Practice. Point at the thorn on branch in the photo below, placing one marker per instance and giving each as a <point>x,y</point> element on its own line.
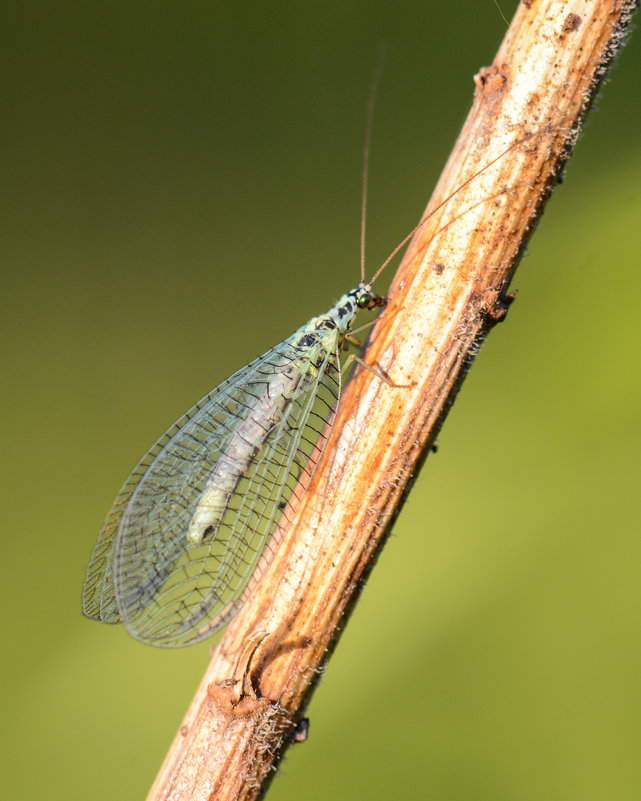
<point>494,304</point>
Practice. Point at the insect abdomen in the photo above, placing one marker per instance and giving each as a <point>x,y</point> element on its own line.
<point>237,458</point>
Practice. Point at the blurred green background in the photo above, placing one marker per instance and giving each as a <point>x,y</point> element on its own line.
<point>181,190</point>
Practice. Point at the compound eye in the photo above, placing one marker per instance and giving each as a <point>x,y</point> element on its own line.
<point>364,301</point>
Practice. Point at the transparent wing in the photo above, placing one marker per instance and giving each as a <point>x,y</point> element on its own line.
<point>144,570</point>
<point>98,597</point>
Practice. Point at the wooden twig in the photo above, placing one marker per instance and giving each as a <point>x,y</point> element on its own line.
<point>450,290</point>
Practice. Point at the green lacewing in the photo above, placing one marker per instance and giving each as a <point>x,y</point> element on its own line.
<point>193,520</point>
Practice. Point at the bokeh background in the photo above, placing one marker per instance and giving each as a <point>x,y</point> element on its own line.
<point>181,190</point>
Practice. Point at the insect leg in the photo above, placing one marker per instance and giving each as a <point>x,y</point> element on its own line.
<point>376,371</point>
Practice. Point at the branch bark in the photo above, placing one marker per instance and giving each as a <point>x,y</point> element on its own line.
<point>450,289</point>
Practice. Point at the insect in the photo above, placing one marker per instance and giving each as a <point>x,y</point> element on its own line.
<point>192,520</point>
<point>191,523</point>
<point>189,526</point>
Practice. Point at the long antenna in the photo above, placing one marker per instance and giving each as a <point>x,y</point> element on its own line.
<point>378,69</point>
<point>427,217</point>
